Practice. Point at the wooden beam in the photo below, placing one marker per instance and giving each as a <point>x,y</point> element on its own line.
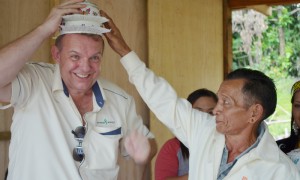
<point>5,136</point>
<point>227,39</point>
<point>239,4</point>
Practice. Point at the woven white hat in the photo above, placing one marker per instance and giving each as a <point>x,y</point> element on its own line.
<point>89,21</point>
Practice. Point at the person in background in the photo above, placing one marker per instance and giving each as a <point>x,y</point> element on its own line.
<point>68,121</point>
<point>172,161</point>
<point>233,144</point>
<point>291,145</point>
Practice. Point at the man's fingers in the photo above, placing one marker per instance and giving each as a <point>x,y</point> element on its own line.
<point>70,7</point>
<point>110,23</point>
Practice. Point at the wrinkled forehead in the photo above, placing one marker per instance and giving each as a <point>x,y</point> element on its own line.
<point>232,90</point>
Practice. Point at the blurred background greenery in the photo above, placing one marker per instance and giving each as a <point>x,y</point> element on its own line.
<point>279,122</point>
<point>270,44</point>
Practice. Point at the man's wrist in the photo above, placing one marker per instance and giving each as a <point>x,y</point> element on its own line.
<point>124,52</point>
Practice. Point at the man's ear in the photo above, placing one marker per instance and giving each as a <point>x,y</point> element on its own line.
<point>256,111</point>
<point>55,52</point>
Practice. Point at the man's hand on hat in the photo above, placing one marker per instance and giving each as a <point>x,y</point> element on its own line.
<point>54,19</point>
<point>114,37</point>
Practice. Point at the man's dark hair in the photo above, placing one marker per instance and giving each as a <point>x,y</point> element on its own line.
<point>258,88</point>
<point>192,98</point>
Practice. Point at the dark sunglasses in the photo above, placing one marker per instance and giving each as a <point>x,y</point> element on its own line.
<point>79,134</point>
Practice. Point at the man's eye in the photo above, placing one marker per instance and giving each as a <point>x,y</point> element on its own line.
<point>95,58</point>
<point>226,102</point>
<point>75,57</point>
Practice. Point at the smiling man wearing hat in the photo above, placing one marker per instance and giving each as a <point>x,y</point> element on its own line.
<point>67,121</point>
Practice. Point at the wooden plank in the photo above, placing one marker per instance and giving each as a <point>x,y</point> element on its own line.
<point>238,4</point>
<point>227,43</point>
<point>5,136</point>
<point>185,47</point>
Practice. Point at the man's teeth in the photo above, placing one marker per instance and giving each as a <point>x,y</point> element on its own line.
<point>82,75</point>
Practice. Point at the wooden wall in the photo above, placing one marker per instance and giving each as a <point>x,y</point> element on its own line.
<point>185,47</point>
<point>180,40</point>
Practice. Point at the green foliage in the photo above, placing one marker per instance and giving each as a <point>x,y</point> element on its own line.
<point>283,109</point>
<point>279,130</point>
<point>280,59</point>
<point>284,19</point>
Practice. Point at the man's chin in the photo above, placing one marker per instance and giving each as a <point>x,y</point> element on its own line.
<point>219,128</point>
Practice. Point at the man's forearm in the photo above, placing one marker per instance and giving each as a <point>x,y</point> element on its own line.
<point>17,53</point>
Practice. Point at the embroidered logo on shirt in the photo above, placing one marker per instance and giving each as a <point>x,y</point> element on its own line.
<point>105,122</point>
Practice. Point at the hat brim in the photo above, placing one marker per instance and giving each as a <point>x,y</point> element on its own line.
<point>83,29</point>
<point>79,17</point>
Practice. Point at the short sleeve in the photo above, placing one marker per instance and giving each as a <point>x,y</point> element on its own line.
<point>166,164</point>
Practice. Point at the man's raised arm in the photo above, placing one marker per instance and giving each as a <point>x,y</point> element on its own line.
<point>14,55</point>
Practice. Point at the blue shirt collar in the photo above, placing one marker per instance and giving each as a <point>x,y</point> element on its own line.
<point>226,167</point>
<point>96,90</point>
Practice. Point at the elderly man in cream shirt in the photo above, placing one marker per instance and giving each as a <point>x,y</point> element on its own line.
<point>235,143</point>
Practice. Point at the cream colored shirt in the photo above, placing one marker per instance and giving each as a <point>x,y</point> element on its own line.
<point>44,116</point>
<point>197,130</point>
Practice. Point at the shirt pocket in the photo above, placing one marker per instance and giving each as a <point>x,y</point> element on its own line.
<point>101,147</point>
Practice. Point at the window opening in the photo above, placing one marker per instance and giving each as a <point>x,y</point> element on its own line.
<point>270,44</point>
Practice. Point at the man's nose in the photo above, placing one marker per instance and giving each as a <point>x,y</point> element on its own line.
<point>85,64</point>
<point>217,109</point>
